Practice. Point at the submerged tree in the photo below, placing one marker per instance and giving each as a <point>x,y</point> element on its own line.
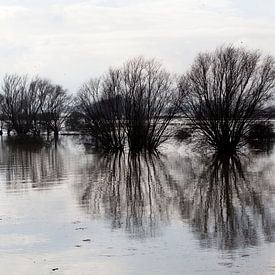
<point>148,92</point>
<point>131,104</point>
<point>21,104</point>
<point>100,104</point>
<point>224,93</point>
<point>56,109</point>
<point>28,105</point>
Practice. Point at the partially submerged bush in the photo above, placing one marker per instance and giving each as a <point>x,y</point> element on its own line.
<point>132,104</point>
<point>224,93</point>
<point>148,93</point>
<point>100,105</point>
<point>29,106</point>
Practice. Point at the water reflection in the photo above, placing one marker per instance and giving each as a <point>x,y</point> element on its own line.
<point>230,204</point>
<point>34,165</point>
<point>224,201</point>
<point>133,191</point>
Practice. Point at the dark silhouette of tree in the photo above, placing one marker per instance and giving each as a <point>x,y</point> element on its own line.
<point>27,105</point>
<point>224,93</point>
<point>22,101</point>
<point>133,103</point>
<point>148,92</point>
<point>100,104</point>
<point>2,116</point>
<point>56,109</point>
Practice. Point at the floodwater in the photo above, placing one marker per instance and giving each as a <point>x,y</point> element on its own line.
<point>67,210</point>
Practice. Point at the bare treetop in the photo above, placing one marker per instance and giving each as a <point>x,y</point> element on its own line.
<point>224,92</point>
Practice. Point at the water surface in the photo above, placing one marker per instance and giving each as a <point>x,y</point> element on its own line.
<point>65,209</point>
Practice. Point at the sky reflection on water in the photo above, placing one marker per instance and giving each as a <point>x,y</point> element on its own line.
<point>178,212</point>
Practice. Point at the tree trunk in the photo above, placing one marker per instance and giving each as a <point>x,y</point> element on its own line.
<point>56,134</point>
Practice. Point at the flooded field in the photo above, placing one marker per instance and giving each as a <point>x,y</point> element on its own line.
<point>67,210</point>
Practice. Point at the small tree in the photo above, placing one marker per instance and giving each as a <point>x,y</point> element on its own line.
<point>22,102</point>
<point>26,105</point>
<point>56,109</point>
<point>224,92</point>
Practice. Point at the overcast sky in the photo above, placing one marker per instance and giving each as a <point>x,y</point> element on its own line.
<point>70,41</point>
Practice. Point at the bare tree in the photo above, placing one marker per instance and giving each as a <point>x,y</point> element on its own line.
<point>56,108</point>
<point>2,116</point>
<point>148,92</point>
<point>35,96</point>
<point>21,104</point>
<point>13,90</point>
<point>100,104</point>
<point>133,103</point>
<point>224,92</point>
<point>29,104</point>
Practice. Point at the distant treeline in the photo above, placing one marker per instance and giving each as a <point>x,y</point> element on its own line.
<point>132,106</point>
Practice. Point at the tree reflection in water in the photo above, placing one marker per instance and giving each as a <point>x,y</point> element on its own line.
<point>225,202</point>
<point>31,165</point>
<point>221,198</point>
<point>134,191</point>
<point>228,206</point>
